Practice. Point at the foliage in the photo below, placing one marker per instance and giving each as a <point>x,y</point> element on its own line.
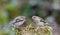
<point>30,30</point>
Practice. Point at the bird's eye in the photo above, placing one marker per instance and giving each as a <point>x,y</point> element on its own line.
<point>18,20</point>
<point>34,17</point>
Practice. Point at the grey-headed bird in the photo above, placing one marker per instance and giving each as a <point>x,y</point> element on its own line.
<point>16,22</point>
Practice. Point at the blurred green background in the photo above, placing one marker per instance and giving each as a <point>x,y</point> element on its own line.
<point>10,9</point>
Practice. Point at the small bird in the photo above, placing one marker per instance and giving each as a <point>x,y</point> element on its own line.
<point>17,22</point>
<point>39,21</point>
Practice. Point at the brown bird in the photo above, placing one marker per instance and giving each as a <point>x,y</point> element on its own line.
<point>39,21</point>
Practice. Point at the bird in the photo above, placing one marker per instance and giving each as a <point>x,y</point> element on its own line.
<point>16,22</point>
<point>39,21</point>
